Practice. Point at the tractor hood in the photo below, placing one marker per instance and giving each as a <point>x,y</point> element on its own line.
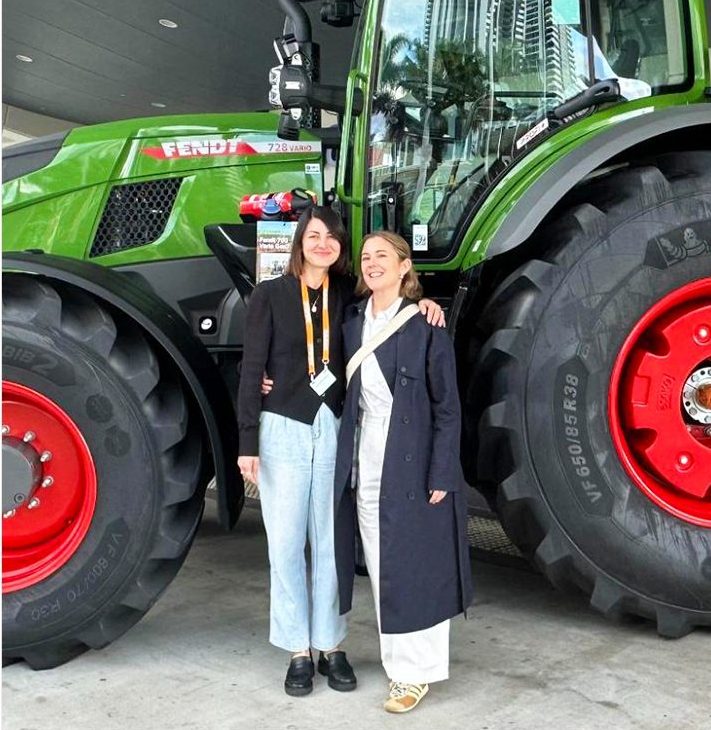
<point>145,148</point>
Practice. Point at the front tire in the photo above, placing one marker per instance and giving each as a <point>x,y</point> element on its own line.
<point>586,432</point>
<point>109,517</point>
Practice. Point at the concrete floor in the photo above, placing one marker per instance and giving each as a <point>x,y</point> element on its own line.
<point>528,658</point>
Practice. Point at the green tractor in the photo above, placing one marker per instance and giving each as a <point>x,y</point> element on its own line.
<point>550,163</point>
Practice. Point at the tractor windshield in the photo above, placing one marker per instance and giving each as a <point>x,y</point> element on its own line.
<point>463,87</point>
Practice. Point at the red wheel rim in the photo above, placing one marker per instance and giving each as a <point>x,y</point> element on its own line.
<point>660,403</point>
<point>43,533</point>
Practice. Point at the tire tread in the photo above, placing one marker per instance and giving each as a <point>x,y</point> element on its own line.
<point>81,319</point>
<point>509,316</point>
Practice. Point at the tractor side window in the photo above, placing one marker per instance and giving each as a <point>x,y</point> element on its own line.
<point>645,40</point>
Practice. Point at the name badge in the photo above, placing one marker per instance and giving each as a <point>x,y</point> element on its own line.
<point>323,381</point>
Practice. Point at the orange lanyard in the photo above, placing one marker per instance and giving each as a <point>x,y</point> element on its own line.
<point>310,327</point>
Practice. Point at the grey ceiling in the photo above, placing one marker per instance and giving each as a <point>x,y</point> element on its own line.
<point>99,60</point>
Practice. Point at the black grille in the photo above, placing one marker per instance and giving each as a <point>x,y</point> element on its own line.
<point>135,215</point>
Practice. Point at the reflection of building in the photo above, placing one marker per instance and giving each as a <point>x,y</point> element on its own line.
<point>520,34</point>
<point>526,27</point>
<point>451,19</point>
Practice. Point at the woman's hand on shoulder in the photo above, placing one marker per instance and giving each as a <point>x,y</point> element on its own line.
<point>433,312</point>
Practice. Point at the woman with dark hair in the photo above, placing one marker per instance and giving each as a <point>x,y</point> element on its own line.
<point>401,427</point>
<point>288,441</point>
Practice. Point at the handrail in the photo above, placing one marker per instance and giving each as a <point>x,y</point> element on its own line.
<point>353,76</point>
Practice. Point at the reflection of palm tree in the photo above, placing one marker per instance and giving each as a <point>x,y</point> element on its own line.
<point>451,75</point>
<point>385,101</point>
<point>391,64</point>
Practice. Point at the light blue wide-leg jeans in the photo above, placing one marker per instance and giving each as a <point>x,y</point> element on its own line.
<point>296,465</point>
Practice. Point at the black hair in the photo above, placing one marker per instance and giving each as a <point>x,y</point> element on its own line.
<point>334,223</point>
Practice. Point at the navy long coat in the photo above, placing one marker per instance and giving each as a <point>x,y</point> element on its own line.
<point>425,574</point>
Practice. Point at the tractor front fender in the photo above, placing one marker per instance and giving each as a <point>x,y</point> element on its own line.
<point>171,333</point>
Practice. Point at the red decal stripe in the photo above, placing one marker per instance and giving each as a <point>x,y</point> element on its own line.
<point>156,152</point>
<point>245,149</point>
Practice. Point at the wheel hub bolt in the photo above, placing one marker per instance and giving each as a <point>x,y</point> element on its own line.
<point>702,334</point>
<point>18,498</point>
<point>48,482</point>
<point>5,430</point>
<point>34,503</point>
<point>9,513</point>
<point>684,460</point>
<point>45,456</point>
<point>29,436</point>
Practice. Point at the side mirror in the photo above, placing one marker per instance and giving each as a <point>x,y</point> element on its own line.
<point>291,88</point>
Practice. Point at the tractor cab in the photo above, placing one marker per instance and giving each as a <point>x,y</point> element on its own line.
<point>449,93</point>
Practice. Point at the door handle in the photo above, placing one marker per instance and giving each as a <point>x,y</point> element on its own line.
<point>352,91</point>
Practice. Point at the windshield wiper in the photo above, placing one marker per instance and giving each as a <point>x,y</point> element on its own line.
<point>601,92</point>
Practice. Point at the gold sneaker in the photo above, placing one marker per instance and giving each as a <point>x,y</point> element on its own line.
<point>405,697</point>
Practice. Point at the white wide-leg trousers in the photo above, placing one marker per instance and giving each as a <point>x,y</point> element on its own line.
<point>418,657</point>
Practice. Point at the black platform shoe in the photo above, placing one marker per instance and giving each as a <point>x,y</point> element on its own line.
<point>340,674</point>
<point>299,676</point>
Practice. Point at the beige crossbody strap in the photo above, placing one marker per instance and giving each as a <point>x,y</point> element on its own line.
<point>374,342</point>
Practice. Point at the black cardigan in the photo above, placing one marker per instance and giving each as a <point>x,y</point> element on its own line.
<point>275,342</point>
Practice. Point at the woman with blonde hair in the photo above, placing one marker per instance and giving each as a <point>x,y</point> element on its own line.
<point>398,472</point>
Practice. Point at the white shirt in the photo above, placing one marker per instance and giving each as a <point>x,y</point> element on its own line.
<point>375,396</point>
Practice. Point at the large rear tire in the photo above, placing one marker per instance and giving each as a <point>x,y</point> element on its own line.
<point>583,387</point>
<point>108,485</point>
